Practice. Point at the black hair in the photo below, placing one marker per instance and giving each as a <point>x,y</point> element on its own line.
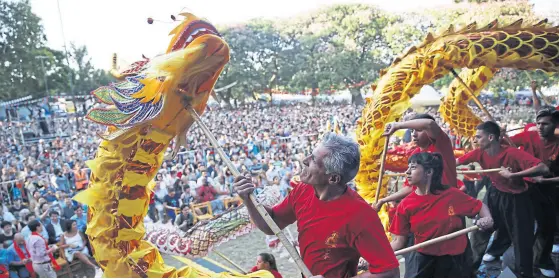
<point>5,223</point>
<point>423,116</point>
<point>548,111</point>
<point>270,259</point>
<point>68,225</point>
<point>433,161</point>
<point>78,207</point>
<point>183,206</point>
<point>54,212</point>
<point>491,128</point>
<point>34,225</point>
<point>29,215</point>
<point>57,172</point>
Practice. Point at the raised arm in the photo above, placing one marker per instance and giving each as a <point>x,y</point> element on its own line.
<point>535,99</point>
<point>428,125</point>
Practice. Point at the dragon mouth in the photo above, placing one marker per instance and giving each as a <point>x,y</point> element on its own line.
<point>195,29</point>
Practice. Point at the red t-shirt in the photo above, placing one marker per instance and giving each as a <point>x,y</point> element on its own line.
<point>442,145</point>
<point>206,193</point>
<point>274,272</point>
<point>431,216</point>
<point>531,142</point>
<point>508,157</point>
<point>334,234</point>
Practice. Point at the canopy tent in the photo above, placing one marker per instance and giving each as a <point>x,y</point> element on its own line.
<point>427,96</point>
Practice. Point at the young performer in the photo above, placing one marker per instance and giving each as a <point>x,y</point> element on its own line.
<point>336,226</point>
<point>429,137</point>
<point>432,210</point>
<point>508,199</point>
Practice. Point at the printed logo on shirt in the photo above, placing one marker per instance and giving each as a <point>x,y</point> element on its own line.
<point>450,210</point>
<point>332,240</point>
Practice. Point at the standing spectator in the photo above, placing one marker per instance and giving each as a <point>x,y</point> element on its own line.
<point>61,181</point>
<point>81,177</point>
<point>67,209</point>
<point>44,263</point>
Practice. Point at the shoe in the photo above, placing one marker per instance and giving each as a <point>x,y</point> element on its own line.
<point>488,258</point>
<point>548,272</point>
<point>555,249</point>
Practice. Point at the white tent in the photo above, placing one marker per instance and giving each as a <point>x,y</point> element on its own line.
<point>427,96</point>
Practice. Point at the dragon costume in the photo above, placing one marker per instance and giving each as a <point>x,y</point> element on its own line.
<point>481,50</point>
<point>144,112</point>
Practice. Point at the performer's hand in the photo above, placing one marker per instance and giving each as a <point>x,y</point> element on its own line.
<point>534,85</point>
<point>505,173</point>
<point>243,186</point>
<point>377,206</point>
<point>390,129</point>
<point>485,223</point>
<point>538,179</point>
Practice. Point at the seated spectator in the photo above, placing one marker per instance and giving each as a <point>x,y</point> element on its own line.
<point>19,258</point>
<point>26,232</point>
<point>16,207</point>
<point>80,218</point>
<point>7,235</point>
<point>186,197</point>
<point>6,215</point>
<point>54,228</point>
<point>67,209</point>
<point>207,193</point>
<point>184,221</point>
<point>266,261</point>
<point>73,243</point>
<point>171,204</point>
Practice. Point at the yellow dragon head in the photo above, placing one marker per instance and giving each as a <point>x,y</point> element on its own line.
<point>156,91</point>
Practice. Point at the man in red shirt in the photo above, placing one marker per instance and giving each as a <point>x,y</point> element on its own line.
<point>544,145</point>
<point>508,198</point>
<point>336,226</point>
<point>429,137</point>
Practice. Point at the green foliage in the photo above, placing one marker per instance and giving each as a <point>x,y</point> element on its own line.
<point>22,42</point>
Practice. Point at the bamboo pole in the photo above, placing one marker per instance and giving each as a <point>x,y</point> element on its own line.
<point>230,262</point>
<point>458,172</point>
<point>436,240</point>
<point>384,151</point>
<point>478,103</point>
<point>267,218</point>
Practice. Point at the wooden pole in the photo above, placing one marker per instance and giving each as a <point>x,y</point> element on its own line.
<point>436,240</point>
<point>479,104</point>
<point>384,151</point>
<point>267,218</point>
<point>230,262</point>
<point>458,172</point>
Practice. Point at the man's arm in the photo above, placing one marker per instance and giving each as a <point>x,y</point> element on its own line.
<point>398,242</point>
<point>539,169</point>
<point>535,99</point>
<point>244,187</point>
<point>426,125</point>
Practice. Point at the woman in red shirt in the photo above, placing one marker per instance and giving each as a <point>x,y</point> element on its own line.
<point>266,261</point>
<point>432,210</point>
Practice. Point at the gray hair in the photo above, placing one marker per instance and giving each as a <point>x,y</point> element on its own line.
<point>343,158</point>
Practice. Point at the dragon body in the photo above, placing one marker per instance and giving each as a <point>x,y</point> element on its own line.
<point>144,111</point>
<point>480,50</point>
<point>205,235</point>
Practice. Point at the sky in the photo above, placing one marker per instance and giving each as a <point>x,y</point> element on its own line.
<point>120,26</point>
